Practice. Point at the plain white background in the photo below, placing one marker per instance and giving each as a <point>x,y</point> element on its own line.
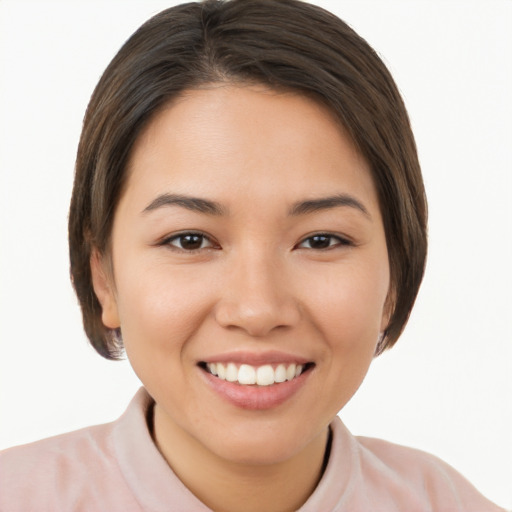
<point>447,385</point>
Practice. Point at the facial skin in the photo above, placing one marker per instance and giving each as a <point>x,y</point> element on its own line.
<point>257,284</point>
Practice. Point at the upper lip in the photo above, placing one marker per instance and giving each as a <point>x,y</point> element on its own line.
<point>256,358</point>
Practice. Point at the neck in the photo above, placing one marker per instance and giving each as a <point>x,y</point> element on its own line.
<point>227,486</point>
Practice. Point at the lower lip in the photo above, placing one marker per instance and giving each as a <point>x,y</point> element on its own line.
<point>254,397</point>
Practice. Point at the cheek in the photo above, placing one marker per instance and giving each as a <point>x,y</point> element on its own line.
<point>349,316</point>
<point>160,309</point>
<point>349,305</point>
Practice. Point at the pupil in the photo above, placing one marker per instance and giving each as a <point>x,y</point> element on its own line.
<point>320,241</point>
<point>191,241</point>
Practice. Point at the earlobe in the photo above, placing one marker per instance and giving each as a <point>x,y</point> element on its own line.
<point>104,290</point>
<point>388,310</point>
<point>386,316</point>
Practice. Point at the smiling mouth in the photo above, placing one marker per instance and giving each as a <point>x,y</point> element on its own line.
<point>248,375</point>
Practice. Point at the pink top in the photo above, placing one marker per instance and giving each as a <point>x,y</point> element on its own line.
<point>116,468</point>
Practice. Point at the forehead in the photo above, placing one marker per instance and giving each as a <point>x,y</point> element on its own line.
<point>246,141</point>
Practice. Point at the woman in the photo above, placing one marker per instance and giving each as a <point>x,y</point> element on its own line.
<point>250,263</point>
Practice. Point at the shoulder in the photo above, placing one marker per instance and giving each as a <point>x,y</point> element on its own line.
<point>371,474</point>
<point>423,474</point>
<point>58,454</point>
<point>75,471</point>
<point>404,460</point>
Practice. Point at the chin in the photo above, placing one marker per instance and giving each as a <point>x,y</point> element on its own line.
<point>247,453</point>
<point>265,445</point>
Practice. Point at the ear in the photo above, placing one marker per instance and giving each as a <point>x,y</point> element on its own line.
<point>103,285</point>
<point>388,310</point>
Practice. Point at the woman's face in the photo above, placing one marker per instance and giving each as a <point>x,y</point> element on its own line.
<point>249,243</point>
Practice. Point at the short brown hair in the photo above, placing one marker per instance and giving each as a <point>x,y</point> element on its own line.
<point>284,44</point>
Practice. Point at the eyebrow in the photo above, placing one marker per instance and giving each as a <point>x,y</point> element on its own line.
<point>327,203</point>
<point>194,204</point>
<point>200,205</point>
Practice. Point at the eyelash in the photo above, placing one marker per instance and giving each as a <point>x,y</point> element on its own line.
<point>339,241</point>
<point>180,237</point>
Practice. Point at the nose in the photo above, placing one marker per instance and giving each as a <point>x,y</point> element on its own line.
<point>257,298</point>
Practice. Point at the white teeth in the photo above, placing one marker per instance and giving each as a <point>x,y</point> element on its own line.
<point>221,371</point>
<point>280,375</point>
<point>265,375</point>
<point>246,374</point>
<point>290,372</point>
<point>231,373</point>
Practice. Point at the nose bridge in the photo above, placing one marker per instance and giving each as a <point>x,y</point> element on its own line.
<point>257,296</point>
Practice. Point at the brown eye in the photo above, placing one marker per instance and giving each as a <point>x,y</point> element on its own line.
<point>322,241</point>
<point>189,241</point>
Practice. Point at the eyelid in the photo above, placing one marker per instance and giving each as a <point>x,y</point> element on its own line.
<point>166,241</point>
<point>343,241</point>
